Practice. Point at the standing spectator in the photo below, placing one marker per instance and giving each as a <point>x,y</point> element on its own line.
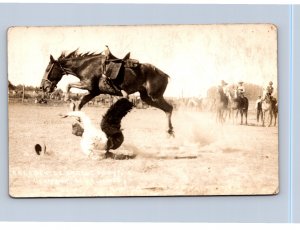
<point>258,107</point>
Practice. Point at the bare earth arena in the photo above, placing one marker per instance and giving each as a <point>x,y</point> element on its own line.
<point>204,158</point>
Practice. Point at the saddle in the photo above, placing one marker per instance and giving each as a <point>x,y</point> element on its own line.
<point>113,65</point>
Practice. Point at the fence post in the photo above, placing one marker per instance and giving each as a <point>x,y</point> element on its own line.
<point>23,94</point>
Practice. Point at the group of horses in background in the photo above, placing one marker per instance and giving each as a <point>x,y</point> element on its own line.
<point>230,105</point>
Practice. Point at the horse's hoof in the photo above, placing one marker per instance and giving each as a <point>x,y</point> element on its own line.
<point>108,155</point>
<point>171,133</point>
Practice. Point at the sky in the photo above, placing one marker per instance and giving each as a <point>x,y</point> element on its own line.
<point>195,57</point>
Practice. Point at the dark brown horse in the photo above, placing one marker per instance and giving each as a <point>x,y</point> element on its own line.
<point>146,79</point>
<point>239,104</point>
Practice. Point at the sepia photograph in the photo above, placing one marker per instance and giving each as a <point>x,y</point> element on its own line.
<point>146,110</point>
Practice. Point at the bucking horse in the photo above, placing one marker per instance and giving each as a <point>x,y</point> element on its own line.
<point>106,74</point>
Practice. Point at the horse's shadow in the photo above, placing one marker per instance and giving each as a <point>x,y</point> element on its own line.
<point>111,155</point>
<point>119,156</point>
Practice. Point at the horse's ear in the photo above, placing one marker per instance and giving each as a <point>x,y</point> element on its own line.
<point>51,58</point>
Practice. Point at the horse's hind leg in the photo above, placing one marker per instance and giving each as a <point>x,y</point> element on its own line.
<point>264,117</point>
<point>242,113</point>
<point>271,118</point>
<point>236,116</point>
<point>162,104</point>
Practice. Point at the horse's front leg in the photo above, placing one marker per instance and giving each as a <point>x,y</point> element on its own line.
<point>246,117</point>
<point>77,85</point>
<point>86,99</point>
<point>242,113</point>
<point>271,118</point>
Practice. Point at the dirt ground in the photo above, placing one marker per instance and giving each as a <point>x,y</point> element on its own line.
<point>204,158</point>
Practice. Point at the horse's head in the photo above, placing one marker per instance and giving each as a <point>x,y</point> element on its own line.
<point>52,76</point>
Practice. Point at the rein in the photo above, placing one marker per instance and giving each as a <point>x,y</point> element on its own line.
<point>45,78</point>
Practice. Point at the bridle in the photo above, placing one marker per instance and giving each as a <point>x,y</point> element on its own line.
<point>45,78</point>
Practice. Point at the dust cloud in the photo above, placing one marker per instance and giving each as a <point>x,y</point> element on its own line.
<point>194,133</point>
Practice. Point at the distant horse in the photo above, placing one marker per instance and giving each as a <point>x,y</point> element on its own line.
<point>270,107</point>
<point>194,104</point>
<point>208,104</point>
<point>232,108</point>
<point>239,104</point>
<point>90,68</point>
<point>222,105</point>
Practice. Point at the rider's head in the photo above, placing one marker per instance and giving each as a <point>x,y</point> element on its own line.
<point>241,82</point>
<point>270,83</point>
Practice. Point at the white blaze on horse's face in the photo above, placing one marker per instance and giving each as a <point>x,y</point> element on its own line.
<point>46,83</point>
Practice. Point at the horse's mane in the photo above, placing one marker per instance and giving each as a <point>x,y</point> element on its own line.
<point>75,54</point>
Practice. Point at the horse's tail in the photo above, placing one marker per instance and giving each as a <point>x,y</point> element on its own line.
<point>158,71</point>
<point>161,73</point>
<point>157,80</point>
